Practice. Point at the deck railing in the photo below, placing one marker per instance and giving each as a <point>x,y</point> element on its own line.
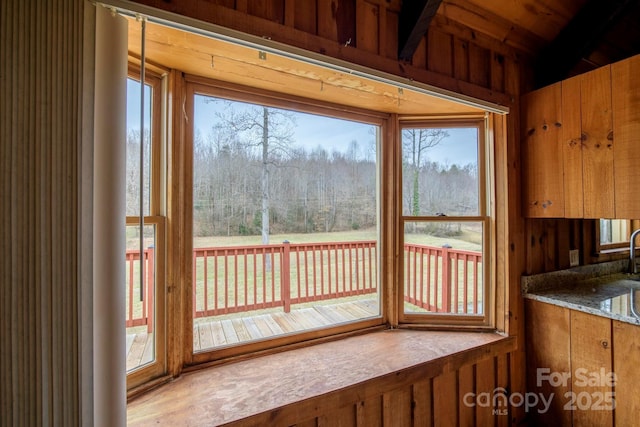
<point>442,279</point>
<point>243,278</point>
<point>139,297</point>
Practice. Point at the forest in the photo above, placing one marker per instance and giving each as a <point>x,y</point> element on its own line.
<point>249,167</point>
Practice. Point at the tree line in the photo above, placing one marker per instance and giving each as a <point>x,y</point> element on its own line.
<point>251,177</point>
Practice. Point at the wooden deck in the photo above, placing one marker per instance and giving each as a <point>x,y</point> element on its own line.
<point>238,328</point>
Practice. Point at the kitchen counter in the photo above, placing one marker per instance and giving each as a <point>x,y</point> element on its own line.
<point>601,289</point>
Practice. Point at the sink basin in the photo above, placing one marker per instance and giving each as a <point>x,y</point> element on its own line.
<point>626,304</point>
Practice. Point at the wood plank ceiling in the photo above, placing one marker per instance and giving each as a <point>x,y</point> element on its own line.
<point>559,38</point>
<point>563,38</point>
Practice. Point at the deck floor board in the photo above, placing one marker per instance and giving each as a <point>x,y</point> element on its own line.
<point>242,327</point>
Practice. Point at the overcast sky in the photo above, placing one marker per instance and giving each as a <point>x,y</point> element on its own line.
<point>333,134</point>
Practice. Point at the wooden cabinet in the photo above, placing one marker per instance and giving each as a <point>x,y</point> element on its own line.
<point>548,350</point>
<point>571,135</point>
<point>625,86</point>
<point>542,152</point>
<point>587,363</point>
<point>591,364</point>
<point>597,143</point>
<point>568,148</point>
<point>626,341</point>
<point>593,170</point>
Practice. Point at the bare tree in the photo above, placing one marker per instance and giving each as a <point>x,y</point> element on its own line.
<point>415,143</point>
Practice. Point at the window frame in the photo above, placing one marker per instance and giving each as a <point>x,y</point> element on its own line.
<point>486,215</point>
<point>601,248</point>
<point>205,86</point>
<point>157,217</point>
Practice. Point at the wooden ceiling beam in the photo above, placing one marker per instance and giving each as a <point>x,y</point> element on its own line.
<point>577,39</point>
<point>415,17</point>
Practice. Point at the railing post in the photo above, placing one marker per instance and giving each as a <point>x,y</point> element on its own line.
<point>285,276</point>
<point>446,278</point>
<point>151,272</point>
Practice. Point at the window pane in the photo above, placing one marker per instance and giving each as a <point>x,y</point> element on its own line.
<point>440,171</point>
<point>133,148</point>
<point>284,222</point>
<point>443,267</point>
<point>614,231</point>
<point>140,297</point>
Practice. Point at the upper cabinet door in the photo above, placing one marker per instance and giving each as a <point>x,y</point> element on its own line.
<point>598,144</point>
<point>542,153</point>
<point>571,136</point>
<point>625,85</point>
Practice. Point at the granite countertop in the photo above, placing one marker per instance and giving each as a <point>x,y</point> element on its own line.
<point>602,289</point>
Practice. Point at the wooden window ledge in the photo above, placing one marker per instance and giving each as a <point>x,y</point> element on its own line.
<point>277,389</point>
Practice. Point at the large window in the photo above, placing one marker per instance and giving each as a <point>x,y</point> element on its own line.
<point>302,202</point>
<point>284,220</point>
<point>144,257</point>
<point>446,222</point>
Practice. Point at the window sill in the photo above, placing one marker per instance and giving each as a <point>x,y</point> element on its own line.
<point>347,370</point>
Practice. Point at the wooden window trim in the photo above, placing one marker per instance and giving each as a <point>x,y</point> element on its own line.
<point>199,85</point>
<point>158,368</point>
<point>486,216</point>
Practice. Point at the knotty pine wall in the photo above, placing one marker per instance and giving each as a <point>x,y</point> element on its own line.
<point>450,56</point>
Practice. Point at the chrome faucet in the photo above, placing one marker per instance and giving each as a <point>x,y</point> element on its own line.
<point>633,268</point>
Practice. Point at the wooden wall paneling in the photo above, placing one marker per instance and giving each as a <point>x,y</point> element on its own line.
<point>290,13</point>
<point>326,20</point>
<point>272,10</point>
<point>625,90</point>
<point>305,14</point>
<point>423,403</point>
<point>389,42</point>
<point>497,72</point>
<point>367,26</point>
<point>440,52</point>
<point>479,65</point>
<point>563,244</point>
<point>328,34</point>
<point>550,241</point>
<point>345,14</point>
<point>548,349</point>
<point>503,378</point>
<point>598,148</point>
<point>626,342</point>
<point>369,412</point>
<point>571,135</point>
<point>482,22</point>
<point>591,351</point>
<point>535,246</point>
<point>419,58</point>
<point>445,399</point>
<point>510,221</point>
<point>241,5</point>
<point>339,417</point>
<point>461,59</point>
<point>397,408</point>
<point>486,383</point>
<point>466,394</point>
<point>313,422</point>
